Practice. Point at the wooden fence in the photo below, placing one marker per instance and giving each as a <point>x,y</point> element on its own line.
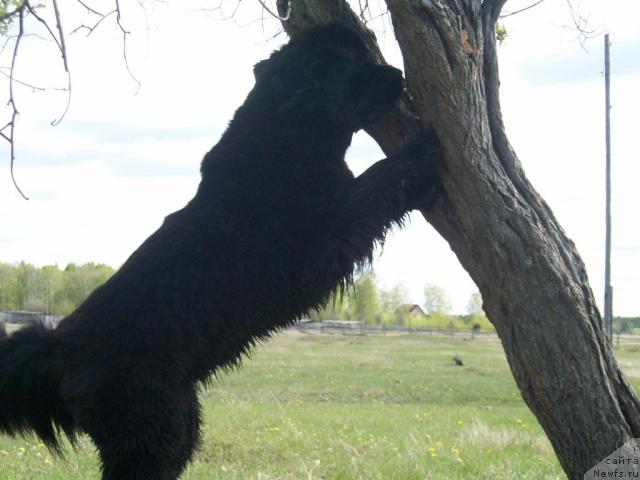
<point>338,327</point>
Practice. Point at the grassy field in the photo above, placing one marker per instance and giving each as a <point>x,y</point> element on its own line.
<point>350,407</point>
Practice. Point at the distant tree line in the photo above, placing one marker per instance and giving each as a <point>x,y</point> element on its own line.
<point>49,289</point>
<point>367,302</point>
<point>622,325</point>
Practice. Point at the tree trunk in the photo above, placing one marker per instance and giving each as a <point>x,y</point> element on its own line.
<point>533,282</point>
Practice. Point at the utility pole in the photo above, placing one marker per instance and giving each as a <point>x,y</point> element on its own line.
<point>608,290</point>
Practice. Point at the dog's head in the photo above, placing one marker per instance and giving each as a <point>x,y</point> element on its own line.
<point>326,74</point>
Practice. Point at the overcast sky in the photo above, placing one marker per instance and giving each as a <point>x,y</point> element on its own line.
<point>123,158</point>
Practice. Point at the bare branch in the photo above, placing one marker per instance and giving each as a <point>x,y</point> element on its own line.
<point>510,14</point>
<point>491,9</point>
<point>35,88</point>
<point>89,9</point>
<point>63,52</point>
<point>32,11</point>
<point>91,28</point>
<point>125,33</point>
<point>285,18</point>
<point>581,25</point>
<point>14,109</point>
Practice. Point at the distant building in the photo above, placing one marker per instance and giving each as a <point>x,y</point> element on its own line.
<point>412,310</point>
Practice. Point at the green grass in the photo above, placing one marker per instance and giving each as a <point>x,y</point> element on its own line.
<point>349,407</point>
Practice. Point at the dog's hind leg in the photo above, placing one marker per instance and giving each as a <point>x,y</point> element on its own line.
<point>154,439</point>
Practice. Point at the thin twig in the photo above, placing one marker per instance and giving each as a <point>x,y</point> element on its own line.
<point>63,52</point>
<point>274,14</point>
<point>14,114</point>
<point>32,11</point>
<point>30,85</point>
<point>95,25</point>
<point>580,24</point>
<point>510,14</point>
<point>89,9</point>
<point>124,45</point>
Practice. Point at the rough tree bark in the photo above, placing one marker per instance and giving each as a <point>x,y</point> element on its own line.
<point>533,282</point>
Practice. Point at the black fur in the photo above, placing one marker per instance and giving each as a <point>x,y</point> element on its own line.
<point>277,224</point>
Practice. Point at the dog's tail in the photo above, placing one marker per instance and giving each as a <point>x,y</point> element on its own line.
<point>30,377</point>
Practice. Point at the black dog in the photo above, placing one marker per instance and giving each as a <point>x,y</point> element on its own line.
<point>278,223</point>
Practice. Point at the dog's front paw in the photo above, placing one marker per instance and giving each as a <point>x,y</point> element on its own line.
<point>425,147</point>
<point>422,196</point>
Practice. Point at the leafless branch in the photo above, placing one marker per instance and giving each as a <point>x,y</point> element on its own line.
<point>63,52</point>
<point>285,18</point>
<point>364,8</point>
<point>10,137</point>
<point>510,14</point>
<point>492,9</point>
<point>91,28</point>
<point>89,9</point>
<point>230,16</point>
<point>581,25</point>
<point>22,10</point>
<point>125,33</point>
<point>101,17</point>
<point>35,88</point>
<point>35,15</point>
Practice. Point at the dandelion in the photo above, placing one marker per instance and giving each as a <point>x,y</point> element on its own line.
<point>455,450</point>
<point>459,460</point>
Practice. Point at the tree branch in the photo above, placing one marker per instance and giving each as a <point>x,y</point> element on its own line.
<point>14,109</point>
<point>492,9</point>
<point>275,15</point>
<point>510,14</point>
<point>125,33</point>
